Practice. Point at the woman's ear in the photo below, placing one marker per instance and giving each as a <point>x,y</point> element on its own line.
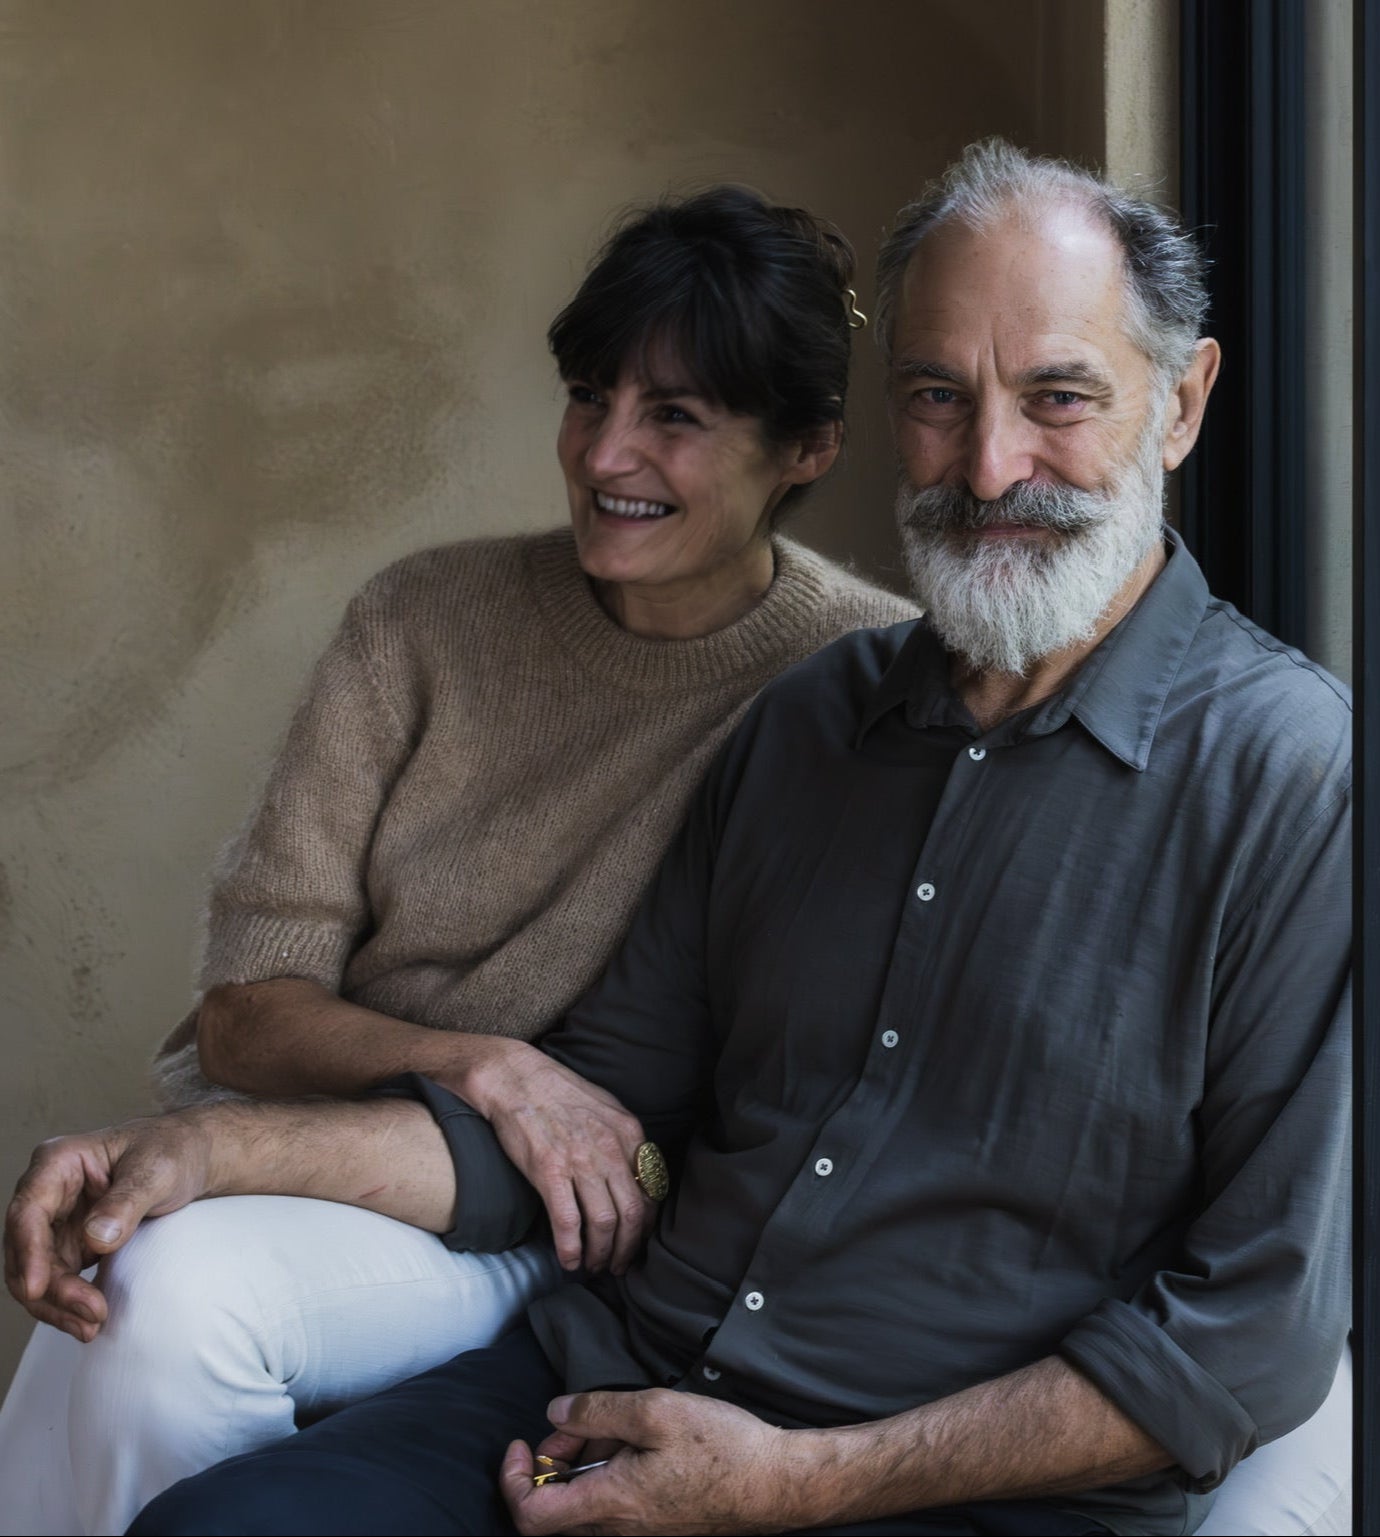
<point>1187,402</point>
<point>813,455</point>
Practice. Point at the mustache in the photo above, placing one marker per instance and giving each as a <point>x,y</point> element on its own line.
<point>1030,504</point>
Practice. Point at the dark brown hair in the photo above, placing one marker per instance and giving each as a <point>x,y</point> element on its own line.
<point>746,296</point>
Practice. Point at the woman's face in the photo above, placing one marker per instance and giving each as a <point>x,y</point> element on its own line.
<point>670,497</point>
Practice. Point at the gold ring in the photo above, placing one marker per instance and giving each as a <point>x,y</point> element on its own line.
<point>650,1172</point>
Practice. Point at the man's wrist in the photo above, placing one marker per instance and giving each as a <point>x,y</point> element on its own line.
<point>230,1141</point>
<point>814,1469</point>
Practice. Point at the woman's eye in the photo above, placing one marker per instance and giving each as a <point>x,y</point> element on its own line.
<point>674,415</point>
<point>582,395</point>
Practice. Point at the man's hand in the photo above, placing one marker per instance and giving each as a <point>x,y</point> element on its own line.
<point>686,1464</point>
<point>575,1144</point>
<point>83,1197</point>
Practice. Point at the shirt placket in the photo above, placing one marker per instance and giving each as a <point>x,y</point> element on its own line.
<point>848,1139</point>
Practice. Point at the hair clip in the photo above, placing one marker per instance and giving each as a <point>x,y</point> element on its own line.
<point>856,319</point>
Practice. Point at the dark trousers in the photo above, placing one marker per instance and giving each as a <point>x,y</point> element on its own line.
<point>423,1458</point>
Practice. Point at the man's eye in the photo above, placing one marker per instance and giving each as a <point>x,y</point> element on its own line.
<point>933,402</point>
<point>1063,397</point>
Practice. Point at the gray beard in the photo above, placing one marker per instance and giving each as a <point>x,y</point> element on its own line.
<point>1002,605</point>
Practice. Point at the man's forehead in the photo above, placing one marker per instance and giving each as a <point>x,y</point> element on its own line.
<point>1058,276</point>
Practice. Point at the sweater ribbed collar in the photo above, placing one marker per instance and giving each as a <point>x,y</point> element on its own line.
<point>763,639</point>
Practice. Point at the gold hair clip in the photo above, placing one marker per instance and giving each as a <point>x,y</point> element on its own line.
<point>856,319</point>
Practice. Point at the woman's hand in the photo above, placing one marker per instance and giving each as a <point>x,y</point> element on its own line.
<point>576,1145</point>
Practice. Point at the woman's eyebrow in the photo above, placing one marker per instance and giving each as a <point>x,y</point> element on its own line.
<point>674,392</point>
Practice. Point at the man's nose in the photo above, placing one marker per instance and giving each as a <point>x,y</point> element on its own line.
<point>1000,454</point>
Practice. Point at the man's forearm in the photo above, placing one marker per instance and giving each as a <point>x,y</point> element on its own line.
<point>387,1155</point>
<point>1042,1431</point>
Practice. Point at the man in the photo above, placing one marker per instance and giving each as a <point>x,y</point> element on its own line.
<point>990,1010</point>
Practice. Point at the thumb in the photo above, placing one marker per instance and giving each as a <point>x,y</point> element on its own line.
<point>111,1222</point>
<point>114,1217</point>
<point>603,1416</point>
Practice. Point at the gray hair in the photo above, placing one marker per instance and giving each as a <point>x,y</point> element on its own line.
<point>1166,296</point>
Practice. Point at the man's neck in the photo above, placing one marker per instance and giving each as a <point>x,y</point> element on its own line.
<point>991,696</point>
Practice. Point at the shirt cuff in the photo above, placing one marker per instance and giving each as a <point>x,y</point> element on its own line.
<point>586,1342</point>
<point>1156,1384</point>
<point>495,1207</point>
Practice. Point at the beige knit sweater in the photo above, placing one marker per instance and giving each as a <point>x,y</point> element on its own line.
<point>480,781</point>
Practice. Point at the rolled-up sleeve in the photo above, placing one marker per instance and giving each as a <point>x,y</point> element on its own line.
<point>1238,1342</point>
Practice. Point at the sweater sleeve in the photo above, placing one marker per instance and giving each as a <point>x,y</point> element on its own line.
<point>291,898</point>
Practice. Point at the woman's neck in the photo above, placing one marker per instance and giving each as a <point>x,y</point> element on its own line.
<point>685,610</point>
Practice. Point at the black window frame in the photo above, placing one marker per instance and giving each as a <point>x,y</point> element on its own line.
<point>1244,494</point>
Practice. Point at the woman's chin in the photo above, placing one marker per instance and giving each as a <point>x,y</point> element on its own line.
<point>620,550</point>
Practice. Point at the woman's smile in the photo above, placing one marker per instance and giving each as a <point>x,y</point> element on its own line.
<point>629,509</point>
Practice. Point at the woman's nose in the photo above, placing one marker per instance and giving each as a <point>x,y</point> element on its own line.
<point>613,447</point>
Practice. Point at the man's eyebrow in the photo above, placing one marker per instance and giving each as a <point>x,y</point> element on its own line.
<point>1074,371</point>
<point>924,368</point>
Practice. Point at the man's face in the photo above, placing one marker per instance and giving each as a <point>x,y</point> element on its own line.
<point>1029,431</point>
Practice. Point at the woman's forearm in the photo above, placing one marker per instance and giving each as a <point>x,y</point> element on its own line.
<point>570,1139</point>
<point>289,1036</point>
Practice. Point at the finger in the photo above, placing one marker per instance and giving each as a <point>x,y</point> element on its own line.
<point>636,1214</point>
<point>516,1486</point>
<point>30,1253</point>
<point>139,1184</point>
<point>572,1507</point>
<point>73,1293</point>
<point>600,1214</point>
<point>75,1324</point>
<point>607,1416</point>
<point>515,1474</point>
<point>563,1212</point>
<point>45,1196</point>
<point>560,1446</point>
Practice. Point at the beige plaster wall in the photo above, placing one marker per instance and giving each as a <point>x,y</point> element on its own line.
<point>1141,95</point>
<point>275,280</point>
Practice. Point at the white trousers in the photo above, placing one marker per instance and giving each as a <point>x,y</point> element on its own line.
<point>229,1320</point>
<point>233,1317</point>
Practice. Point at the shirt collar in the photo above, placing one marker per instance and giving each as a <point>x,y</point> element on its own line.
<point>1117,695</point>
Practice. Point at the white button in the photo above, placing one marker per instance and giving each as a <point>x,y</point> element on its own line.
<point>924,891</point>
<point>754,1301</point>
<point>977,754</point>
<point>824,1166</point>
<point>710,1375</point>
<point>889,1037</point>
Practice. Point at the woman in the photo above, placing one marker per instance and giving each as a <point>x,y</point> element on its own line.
<point>491,756</point>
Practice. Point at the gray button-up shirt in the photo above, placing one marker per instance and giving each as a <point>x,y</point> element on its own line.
<point>970,1048</point>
